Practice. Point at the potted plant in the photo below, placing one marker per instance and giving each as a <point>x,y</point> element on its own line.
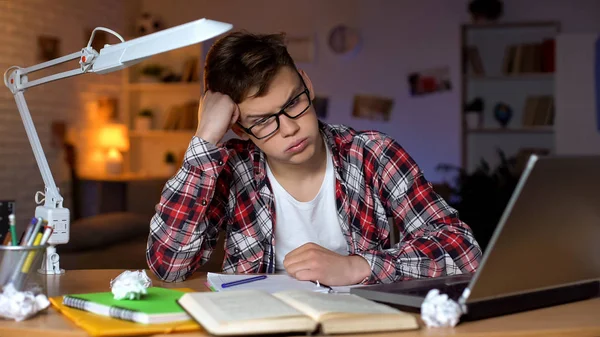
<point>474,114</point>
<point>485,11</point>
<point>151,73</point>
<point>170,161</point>
<point>481,196</point>
<point>143,120</point>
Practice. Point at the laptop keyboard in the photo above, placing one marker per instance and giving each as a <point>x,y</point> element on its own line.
<point>453,290</point>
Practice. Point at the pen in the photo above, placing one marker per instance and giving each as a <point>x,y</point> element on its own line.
<point>47,232</point>
<point>13,229</point>
<point>248,280</point>
<point>323,285</point>
<point>35,231</point>
<point>25,237</point>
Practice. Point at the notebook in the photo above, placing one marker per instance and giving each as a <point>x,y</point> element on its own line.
<point>157,306</point>
<point>100,325</point>
<point>237,312</point>
<point>272,283</point>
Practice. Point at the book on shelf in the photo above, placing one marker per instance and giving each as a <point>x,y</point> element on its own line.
<point>182,117</point>
<point>190,70</point>
<point>527,58</point>
<point>538,111</point>
<point>237,312</point>
<point>473,58</point>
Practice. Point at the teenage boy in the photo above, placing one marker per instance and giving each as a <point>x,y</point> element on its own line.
<point>294,194</point>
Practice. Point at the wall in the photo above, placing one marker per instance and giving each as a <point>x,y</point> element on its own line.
<point>21,22</point>
<point>398,37</point>
<point>577,131</point>
<point>412,38</point>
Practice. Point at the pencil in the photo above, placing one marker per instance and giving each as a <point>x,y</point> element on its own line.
<point>7,239</point>
<point>13,229</point>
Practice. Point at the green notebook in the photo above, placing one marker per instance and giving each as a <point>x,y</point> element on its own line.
<point>158,306</point>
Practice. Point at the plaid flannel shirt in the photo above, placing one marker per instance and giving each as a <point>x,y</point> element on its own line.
<point>225,187</point>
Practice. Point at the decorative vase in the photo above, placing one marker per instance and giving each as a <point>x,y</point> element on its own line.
<point>143,123</point>
<point>473,120</point>
<point>171,169</point>
<point>148,79</point>
<point>503,114</point>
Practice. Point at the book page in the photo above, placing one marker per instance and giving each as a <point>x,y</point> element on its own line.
<point>244,305</point>
<point>318,305</point>
<point>272,284</point>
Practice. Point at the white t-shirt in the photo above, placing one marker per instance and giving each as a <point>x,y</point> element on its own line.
<point>313,221</point>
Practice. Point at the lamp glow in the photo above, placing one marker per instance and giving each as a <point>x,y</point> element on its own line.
<point>114,138</point>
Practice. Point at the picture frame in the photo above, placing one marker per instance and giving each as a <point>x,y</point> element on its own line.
<point>48,48</point>
<point>372,107</point>
<point>429,81</point>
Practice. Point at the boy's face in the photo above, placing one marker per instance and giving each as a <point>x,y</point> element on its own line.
<point>297,139</point>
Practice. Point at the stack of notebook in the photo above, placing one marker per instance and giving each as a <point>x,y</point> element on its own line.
<point>99,314</point>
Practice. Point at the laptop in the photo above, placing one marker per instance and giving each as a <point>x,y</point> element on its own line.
<point>545,250</point>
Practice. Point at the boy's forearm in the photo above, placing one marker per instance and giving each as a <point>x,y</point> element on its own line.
<point>445,247</point>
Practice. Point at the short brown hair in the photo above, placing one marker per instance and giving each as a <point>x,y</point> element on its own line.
<point>241,61</point>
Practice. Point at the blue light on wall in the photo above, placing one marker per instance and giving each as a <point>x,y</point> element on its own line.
<point>597,72</point>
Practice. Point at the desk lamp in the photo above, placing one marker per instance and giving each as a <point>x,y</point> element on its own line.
<point>110,58</point>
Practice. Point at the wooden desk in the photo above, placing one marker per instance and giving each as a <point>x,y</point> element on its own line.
<point>574,319</point>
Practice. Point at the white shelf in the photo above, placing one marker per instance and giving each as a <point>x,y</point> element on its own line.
<point>522,130</point>
<point>162,134</point>
<point>513,77</point>
<point>167,86</point>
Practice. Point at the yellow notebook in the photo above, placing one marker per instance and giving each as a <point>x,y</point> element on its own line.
<point>98,325</point>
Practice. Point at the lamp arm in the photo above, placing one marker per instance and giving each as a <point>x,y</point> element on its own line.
<point>17,81</point>
<point>53,199</point>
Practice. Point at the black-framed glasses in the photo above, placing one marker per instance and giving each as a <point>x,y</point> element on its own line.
<point>268,125</point>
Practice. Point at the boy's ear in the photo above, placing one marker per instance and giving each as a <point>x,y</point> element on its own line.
<point>308,83</point>
<point>239,132</point>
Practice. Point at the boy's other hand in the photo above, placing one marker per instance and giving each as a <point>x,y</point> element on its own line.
<point>311,262</point>
<point>216,114</point>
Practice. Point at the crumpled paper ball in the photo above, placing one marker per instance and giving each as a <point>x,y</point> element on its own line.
<point>130,285</point>
<point>20,305</point>
<point>438,310</point>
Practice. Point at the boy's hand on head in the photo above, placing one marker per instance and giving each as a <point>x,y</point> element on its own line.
<point>311,262</point>
<point>216,114</point>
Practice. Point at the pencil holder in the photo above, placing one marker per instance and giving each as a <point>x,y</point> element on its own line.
<point>19,265</point>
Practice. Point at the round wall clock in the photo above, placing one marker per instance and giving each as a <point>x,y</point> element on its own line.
<point>343,39</point>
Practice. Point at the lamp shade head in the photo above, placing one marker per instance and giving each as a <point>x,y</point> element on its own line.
<point>114,136</point>
<point>125,54</point>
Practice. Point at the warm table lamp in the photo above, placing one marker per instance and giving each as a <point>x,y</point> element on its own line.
<point>113,138</point>
<point>108,59</point>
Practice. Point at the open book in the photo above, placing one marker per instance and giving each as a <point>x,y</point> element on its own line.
<point>258,312</point>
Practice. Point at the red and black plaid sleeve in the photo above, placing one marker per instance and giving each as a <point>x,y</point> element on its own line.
<point>192,208</point>
<point>433,240</point>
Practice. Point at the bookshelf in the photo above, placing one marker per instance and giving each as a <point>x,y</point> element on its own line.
<point>512,64</point>
<point>173,106</point>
